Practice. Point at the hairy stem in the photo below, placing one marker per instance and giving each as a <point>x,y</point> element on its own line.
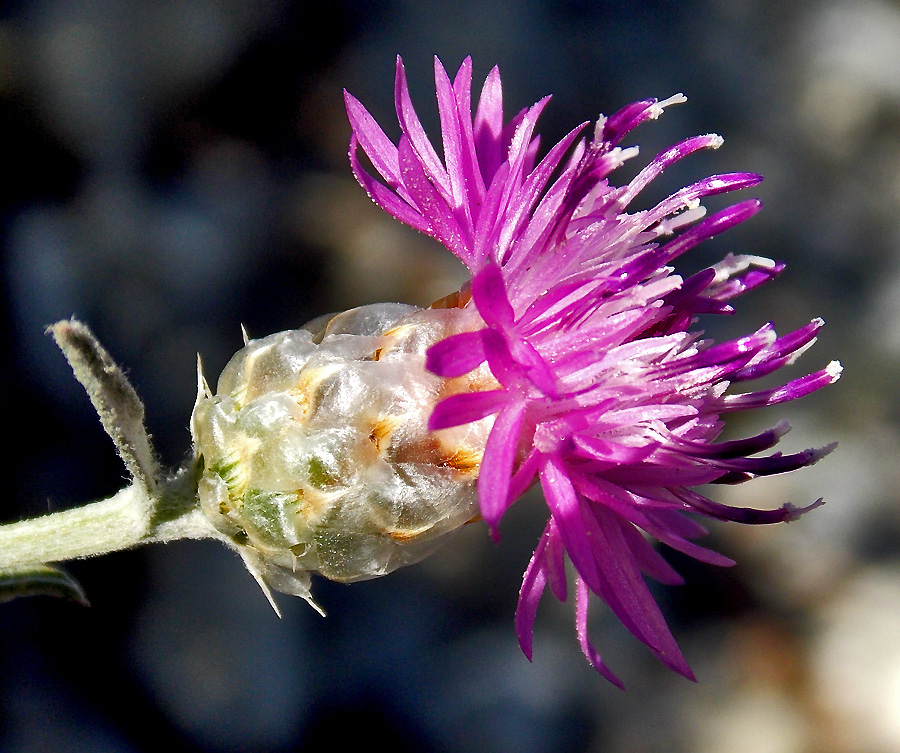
<point>128,519</point>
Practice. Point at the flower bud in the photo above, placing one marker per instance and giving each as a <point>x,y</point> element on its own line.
<point>315,453</point>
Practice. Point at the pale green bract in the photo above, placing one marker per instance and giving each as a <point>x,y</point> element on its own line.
<point>315,453</point>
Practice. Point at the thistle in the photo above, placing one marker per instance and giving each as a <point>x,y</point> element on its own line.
<point>354,445</point>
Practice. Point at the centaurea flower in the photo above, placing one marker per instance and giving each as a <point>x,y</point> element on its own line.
<point>354,445</point>
<point>601,391</point>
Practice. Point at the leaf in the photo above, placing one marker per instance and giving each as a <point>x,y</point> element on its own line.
<point>40,580</point>
<point>113,397</point>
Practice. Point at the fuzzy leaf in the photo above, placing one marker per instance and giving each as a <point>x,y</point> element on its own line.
<point>40,580</point>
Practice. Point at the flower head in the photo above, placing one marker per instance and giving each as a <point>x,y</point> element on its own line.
<point>603,393</point>
<point>315,453</point>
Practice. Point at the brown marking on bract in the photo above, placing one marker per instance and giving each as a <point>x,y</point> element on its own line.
<point>382,429</point>
<point>312,505</point>
<point>457,300</point>
<point>400,331</point>
<point>463,460</point>
<point>409,535</point>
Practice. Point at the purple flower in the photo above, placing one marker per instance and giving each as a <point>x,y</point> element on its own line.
<point>604,394</point>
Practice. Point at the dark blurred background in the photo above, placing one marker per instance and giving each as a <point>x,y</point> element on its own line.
<point>174,169</point>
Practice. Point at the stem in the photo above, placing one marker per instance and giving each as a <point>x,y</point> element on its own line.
<point>126,520</point>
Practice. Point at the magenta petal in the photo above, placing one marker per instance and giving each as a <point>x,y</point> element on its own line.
<point>566,509</point>
<point>663,160</point>
<point>783,351</point>
<point>677,523</point>
<point>502,364</point>
<point>734,448</point>
<point>454,108</point>
<point>527,197</point>
<point>777,463</point>
<point>634,598</point>
<point>613,452</point>
<point>625,120</point>
<point>520,160</point>
<point>673,529</point>
<point>711,227</point>
<point>524,477</point>
<point>413,130</point>
<point>581,628</point>
<point>535,367</point>
<point>664,534</point>
<point>452,133</point>
<point>488,126</point>
<point>533,584</point>
<point>650,561</point>
<point>474,180</point>
<point>794,389</point>
<point>663,475</point>
<point>497,464</point>
<point>466,408</point>
<point>555,559</point>
<point>388,200</point>
<point>746,515</point>
<point>487,227</point>
<point>489,294</point>
<point>619,583</point>
<point>430,202</point>
<point>545,220</point>
<point>377,146</point>
<point>747,280</point>
<point>711,186</point>
<point>455,355</point>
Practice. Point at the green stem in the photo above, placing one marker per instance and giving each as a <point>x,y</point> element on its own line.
<point>128,519</point>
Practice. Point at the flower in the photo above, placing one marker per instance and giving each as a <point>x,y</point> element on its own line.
<point>604,395</point>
